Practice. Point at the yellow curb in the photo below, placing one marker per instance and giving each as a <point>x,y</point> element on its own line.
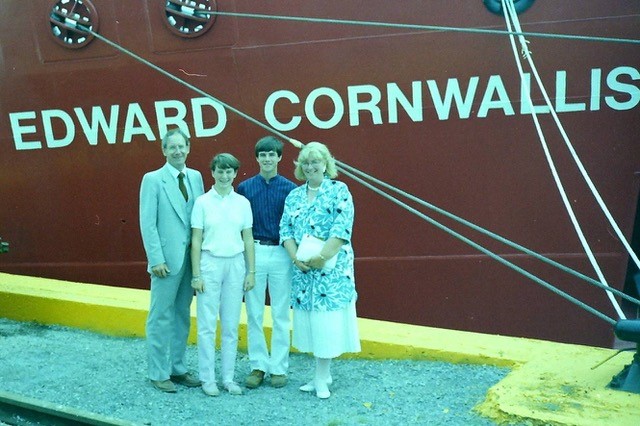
<point>549,383</point>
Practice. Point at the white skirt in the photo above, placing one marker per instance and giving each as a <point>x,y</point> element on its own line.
<point>326,334</point>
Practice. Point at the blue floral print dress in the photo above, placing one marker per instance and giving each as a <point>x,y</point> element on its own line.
<point>330,214</point>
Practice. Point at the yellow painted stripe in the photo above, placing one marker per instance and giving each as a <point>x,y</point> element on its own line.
<point>550,383</point>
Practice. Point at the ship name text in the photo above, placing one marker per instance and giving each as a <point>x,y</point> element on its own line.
<point>326,107</point>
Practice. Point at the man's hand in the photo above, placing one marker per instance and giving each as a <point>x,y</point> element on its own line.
<point>161,270</point>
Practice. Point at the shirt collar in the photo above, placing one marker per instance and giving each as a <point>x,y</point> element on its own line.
<point>273,179</point>
<point>217,195</point>
<point>175,172</point>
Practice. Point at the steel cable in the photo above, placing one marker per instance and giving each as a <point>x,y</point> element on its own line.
<point>345,167</point>
<point>420,27</point>
<point>343,170</point>
<point>509,18</point>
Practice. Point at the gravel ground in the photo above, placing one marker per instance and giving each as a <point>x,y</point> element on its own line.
<point>106,375</point>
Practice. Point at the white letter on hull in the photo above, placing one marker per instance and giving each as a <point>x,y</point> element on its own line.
<point>135,113</point>
<point>198,121</point>
<point>99,121</point>
<point>395,97</point>
<point>596,81</point>
<point>269,113</point>
<point>338,108</point>
<point>52,142</point>
<point>443,105</point>
<point>355,105</point>
<point>561,95</point>
<point>19,130</point>
<point>525,91</point>
<point>165,121</point>
<point>630,89</point>
<point>495,85</point>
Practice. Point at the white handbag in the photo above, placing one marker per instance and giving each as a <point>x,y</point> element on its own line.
<point>311,246</point>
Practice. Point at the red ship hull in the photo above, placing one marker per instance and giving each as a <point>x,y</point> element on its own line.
<point>69,192</point>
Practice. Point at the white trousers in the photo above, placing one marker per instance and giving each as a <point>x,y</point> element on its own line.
<point>167,326</point>
<point>223,287</point>
<point>273,271</point>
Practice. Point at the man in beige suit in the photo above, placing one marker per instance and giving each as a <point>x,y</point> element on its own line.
<point>166,201</point>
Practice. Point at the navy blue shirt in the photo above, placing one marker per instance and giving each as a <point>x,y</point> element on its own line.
<point>267,204</point>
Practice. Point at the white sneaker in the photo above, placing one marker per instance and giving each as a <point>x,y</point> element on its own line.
<point>311,386</point>
<point>210,389</point>
<point>233,388</point>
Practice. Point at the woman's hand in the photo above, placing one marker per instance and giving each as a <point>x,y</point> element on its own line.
<point>303,266</point>
<point>249,281</point>
<point>197,284</point>
<point>316,262</point>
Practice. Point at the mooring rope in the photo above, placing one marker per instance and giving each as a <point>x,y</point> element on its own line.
<point>484,250</point>
<point>486,232</point>
<point>574,154</point>
<point>508,13</point>
<point>297,144</point>
<point>190,86</point>
<point>419,27</point>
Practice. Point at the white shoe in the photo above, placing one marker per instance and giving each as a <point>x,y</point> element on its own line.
<point>210,389</point>
<point>322,389</point>
<point>311,386</point>
<point>233,388</point>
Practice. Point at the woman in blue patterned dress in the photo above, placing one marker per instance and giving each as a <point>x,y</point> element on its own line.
<point>323,296</point>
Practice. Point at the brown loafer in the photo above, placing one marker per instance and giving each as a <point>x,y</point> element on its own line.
<point>187,379</point>
<point>278,380</point>
<point>254,379</point>
<point>164,386</point>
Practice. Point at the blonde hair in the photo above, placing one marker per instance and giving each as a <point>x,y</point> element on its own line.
<point>315,150</point>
